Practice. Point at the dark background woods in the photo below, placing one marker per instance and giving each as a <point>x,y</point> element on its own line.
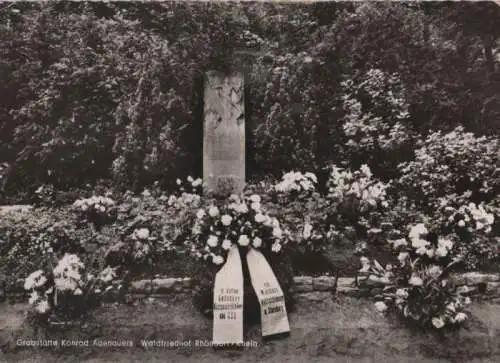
<point>111,91</point>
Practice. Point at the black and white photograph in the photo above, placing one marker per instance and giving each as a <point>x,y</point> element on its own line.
<point>250,181</point>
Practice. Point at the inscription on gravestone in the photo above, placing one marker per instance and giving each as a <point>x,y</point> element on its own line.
<point>224,133</point>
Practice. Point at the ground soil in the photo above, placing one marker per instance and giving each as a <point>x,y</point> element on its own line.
<point>324,328</point>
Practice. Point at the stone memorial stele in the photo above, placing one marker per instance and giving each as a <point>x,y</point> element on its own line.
<point>224,133</point>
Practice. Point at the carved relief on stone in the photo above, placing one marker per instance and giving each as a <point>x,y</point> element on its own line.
<point>224,133</point>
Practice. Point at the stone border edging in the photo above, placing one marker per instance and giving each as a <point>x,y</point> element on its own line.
<point>470,284</point>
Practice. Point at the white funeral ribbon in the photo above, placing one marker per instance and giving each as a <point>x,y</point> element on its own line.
<point>228,302</point>
<point>273,314</point>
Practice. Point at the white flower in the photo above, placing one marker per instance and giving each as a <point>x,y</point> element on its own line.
<point>178,181</point>
<point>218,260</point>
<point>380,306</point>
<point>107,274</point>
<point>276,247</point>
<point>306,233</point>
<point>197,182</point>
<point>226,244</point>
<point>461,223</point>
<point>417,230</point>
<point>418,243</point>
<point>460,317</point>
<point>200,214</point>
<point>213,211</point>
<point>243,240</point>
<point>259,218</point>
<point>43,306</point>
<point>438,323</point>
<point>277,232</point>
<point>402,293</point>
<point>415,281</point>
<point>141,233</point>
<point>226,219</point>
<point>77,292</point>
<point>402,256</point>
<point>190,179</point>
<point>255,206</point>
<point>441,252</point>
<point>33,297</point>
<point>35,279</point>
<point>241,208</point>
<point>255,198</point>
<point>445,243</point>
<point>257,242</point>
<point>212,241</point>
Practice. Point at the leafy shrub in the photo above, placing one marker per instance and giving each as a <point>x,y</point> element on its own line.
<point>375,124</point>
<point>454,163</point>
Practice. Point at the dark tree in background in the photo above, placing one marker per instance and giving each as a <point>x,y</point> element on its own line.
<point>94,91</point>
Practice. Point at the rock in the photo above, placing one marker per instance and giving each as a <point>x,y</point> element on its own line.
<point>140,286</point>
<point>316,296</point>
<point>164,285</point>
<point>467,290</point>
<point>493,288</point>
<point>324,283</point>
<point>303,283</point>
<point>475,278</point>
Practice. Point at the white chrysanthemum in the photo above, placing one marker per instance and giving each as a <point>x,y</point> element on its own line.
<point>417,230</point>
<point>255,206</point>
<point>200,214</point>
<point>226,220</point>
<point>213,211</point>
<point>276,247</point>
<point>380,306</point>
<point>255,198</point>
<point>212,241</point>
<point>226,244</point>
<point>445,243</point>
<point>438,323</point>
<point>277,232</point>
<point>218,259</point>
<point>197,182</point>
<point>259,218</point>
<point>108,274</point>
<point>460,317</point>
<point>43,306</point>
<point>257,242</point>
<point>441,252</point>
<point>141,233</point>
<point>243,240</point>
<point>402,293</point>
<point>35,279</point>
<point>415,281</point>
<point>419,243</point>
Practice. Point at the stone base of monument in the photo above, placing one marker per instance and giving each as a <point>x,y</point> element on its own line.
<point>203,278</point>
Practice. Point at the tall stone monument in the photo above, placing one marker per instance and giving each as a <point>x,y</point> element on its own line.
<point>224,133</point>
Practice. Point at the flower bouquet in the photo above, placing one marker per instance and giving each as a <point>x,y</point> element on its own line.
<point>239,222</point>
<point>69,290</point>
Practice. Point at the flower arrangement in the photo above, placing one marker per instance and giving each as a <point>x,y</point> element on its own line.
<point>296,181</point>
<point>98,210</point>
<point>69,290</point>
<point>360,185</point>
<point>418,285</point>
<point>239,221</point>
